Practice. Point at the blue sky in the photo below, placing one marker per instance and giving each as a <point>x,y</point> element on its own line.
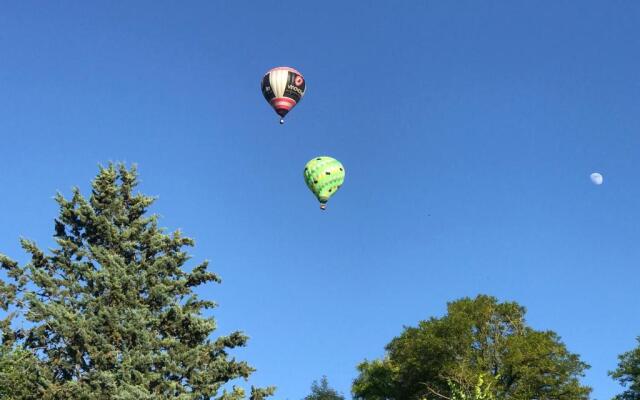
<point>468,132</point>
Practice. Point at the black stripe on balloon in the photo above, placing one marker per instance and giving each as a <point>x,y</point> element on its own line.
<point>267,92</point>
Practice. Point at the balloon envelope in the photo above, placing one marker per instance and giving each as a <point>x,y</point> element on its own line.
<point>597,178</point>
<point>324,176</point>
<point>283,88</point>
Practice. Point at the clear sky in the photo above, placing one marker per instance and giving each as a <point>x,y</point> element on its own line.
<point>468,131</point>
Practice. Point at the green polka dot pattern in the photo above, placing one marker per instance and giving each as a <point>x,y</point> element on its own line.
<point>324,176</point>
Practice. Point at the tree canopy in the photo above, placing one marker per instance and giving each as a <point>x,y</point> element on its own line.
<point>477,337</point>
<point>628,374</point>
<point>322,391</point>
<point>17,373</point>
<point>481,391</point>
<point>111,311</point>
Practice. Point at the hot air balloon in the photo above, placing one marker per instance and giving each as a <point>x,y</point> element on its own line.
<point>324,176</point>
<point>283,88</point>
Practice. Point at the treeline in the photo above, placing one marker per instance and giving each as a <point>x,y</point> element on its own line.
<point>111,312</point>
<point>481,349</point>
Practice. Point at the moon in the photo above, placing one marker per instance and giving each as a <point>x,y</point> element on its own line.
<point>597,178</point>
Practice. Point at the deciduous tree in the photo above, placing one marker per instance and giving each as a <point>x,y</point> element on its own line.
<point>628,374</point>
<point>476,337</point>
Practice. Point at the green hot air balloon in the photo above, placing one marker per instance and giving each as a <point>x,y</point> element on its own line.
<point>324,176</point>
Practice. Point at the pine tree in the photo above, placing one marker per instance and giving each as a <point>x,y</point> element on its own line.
<point>322,391</point>
<point>111,312</point>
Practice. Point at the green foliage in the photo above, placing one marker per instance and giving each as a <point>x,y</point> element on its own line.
<point>628,374</point>
<point>481,391</point>
<point>322,391</point>
<point>477,337</point>
<point>111,311</point>
<point>18,374</point>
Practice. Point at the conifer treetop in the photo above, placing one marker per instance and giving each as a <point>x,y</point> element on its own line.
<point>111,310</point>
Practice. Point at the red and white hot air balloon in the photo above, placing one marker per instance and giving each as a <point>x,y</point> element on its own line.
<point>283,88</point>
